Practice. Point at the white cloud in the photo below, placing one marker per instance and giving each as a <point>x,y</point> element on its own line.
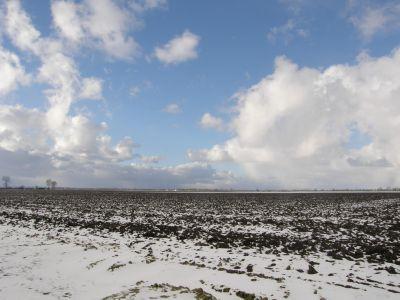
<point>12,73</point>
<point>152,4</point>
<point>216,154</point>
<point>180,49</point>
<point>91,88</point>
<point>19,28</point>
<point>123,150</point>
<point>108,23</point>
<point>67,19</point>
<point>286,32</point>
<point>27,168</point>
<point>209,121</point>
<point>53,142</point>
<point>292,128</point>
<point>65,134</point>
<point>370,20</point>
<point>22,129</point>
<point>101,24</point>
<point>172,108</point>
<point>152,159</point>
<point>143,5</point>
<point>134,91</point>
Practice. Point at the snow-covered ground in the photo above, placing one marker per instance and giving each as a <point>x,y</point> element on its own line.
<point>129,245</point>
<point>75,264</point>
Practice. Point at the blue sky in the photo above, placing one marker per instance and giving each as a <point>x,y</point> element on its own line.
<point>231,53</point>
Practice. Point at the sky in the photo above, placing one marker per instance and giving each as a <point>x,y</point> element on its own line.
<point>277,94</point>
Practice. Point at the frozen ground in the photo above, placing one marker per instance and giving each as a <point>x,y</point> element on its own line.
<point>50,251</point>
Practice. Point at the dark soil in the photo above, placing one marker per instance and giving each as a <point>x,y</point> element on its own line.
<point>352,226</point>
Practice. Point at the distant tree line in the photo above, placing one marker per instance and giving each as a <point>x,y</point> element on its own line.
<point>51,184</point>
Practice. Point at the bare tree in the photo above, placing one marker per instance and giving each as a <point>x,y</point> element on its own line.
<point>48,183</point>
<point>53,185</point>
<point>6,180</point>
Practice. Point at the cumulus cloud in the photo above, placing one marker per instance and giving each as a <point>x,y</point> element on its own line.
<point>22,129</point>
<point>209,121</point>
<point>292,129</point>
<point>91,88</point>
<point>216,154</point>
<point>101,24</point>
<point>55,130</point>
<point>180,49</point>
<point>172,108</point>
<point>36,144</point>
<point>369,20</point>
<point>12,73</point>
<point>67,19</point>
<point>19,28</point>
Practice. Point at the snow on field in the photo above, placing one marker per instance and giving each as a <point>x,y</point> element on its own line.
<point>151,245</point>
<point>76,264</point>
